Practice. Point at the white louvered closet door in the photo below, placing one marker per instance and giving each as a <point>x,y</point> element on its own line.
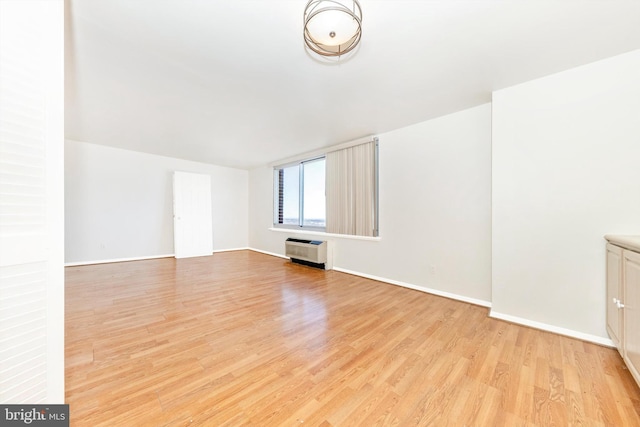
<point>31,201</point>
<point>192,220</point>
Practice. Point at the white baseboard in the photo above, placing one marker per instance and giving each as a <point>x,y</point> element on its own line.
<point>551,328</point>
<point>396,282</point>
<point>457,297</point>
<point>142,258</point>
<point>268,253</point>
<point>108,261</point>
<point>230,250</point>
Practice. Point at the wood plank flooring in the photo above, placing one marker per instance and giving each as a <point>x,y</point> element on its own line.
<point>246,339</point>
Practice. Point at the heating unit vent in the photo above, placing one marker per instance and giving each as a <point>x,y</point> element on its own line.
<point>307,252</point>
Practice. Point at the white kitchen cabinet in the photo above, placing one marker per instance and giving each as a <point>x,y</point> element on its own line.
<point>631,310</point>
<point>614,295</point>
<point>623,298</point>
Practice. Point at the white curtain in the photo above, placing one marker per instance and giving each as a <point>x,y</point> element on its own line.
<point>350,189</point>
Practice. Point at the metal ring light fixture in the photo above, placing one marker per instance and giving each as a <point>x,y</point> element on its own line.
<point>332,27</point>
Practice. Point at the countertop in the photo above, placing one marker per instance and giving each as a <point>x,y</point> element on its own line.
<point>628,242</point>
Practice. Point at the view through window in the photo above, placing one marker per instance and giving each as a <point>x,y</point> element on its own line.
<point>301,198</point>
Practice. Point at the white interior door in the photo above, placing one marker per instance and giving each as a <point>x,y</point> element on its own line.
<point>192,224</point>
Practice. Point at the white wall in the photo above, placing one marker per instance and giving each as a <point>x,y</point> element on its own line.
<point>435,209</point>
<point>118,203</point>
<point>566,171</point>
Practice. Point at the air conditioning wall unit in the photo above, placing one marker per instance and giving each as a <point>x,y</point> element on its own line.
<point>314,253</point>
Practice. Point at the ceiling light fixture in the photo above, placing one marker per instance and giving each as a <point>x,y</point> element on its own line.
<point>332,27</point>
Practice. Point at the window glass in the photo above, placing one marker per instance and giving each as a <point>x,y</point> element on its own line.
<point>313,195</point>
<point>290,190</point>
<point>300,195</point>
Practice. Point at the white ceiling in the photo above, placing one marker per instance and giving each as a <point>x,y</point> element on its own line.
<point>230,82</point>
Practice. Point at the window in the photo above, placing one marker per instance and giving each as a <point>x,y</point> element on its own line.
<point>300,196</point>
<point>336,193</point>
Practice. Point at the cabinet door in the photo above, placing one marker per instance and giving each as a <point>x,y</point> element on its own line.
<point>631,311</point>
<point>614,294</point>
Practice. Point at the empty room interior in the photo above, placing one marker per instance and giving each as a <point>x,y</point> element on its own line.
<point>321,213</point>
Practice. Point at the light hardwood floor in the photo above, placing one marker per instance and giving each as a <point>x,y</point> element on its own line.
<point>243,338</point>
